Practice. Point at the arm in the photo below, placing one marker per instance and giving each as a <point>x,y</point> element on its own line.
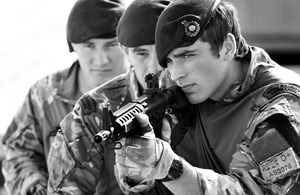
<point>24,167</point>
<point>75,162</point>
<point>137,174</point>
<point>244,176</point>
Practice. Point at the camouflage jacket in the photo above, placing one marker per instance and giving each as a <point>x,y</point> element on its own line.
<point>77,164</point>
<point>28,138</point>
<point>230,135</point>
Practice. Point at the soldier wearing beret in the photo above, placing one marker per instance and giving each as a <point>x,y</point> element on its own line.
<point>91,34</point>
<point>76,162</point>
<point>244,113</point>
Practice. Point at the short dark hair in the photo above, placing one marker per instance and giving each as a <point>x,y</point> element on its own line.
<point>224,21</point>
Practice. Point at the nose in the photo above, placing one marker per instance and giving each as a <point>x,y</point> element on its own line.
<point>101,57</point>
<point>176,71</point>
<point>153,66</point>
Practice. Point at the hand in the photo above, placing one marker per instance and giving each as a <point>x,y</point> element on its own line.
<point>138,159</point>
<point>139,155</point>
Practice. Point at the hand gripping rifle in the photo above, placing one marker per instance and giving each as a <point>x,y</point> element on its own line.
<point>154,102</point>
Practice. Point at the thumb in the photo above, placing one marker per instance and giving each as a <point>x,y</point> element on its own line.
<point>143,119</point>
<point>146,127</point>
<point>166,130</point>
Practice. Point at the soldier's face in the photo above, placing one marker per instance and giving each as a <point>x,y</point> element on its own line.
<point>198,72</point>
<point>144,60</point>
<point>100,60</point>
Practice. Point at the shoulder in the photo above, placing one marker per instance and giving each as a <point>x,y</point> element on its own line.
<point>112,91</point>
<point>50,84</point>
<point>278,98</point>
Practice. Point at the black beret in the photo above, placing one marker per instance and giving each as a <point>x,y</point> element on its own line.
<point>181,24</point>
<point>93,19</point>
<point>137,24</point>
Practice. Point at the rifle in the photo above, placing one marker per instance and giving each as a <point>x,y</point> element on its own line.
<point>155,102</point>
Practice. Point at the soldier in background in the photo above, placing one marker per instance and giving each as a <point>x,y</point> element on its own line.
<point>91,34</point>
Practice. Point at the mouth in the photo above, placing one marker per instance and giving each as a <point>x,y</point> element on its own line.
<point>101,70</point>
<point>186,88</point>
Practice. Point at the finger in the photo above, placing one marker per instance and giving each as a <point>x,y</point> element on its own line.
<point>123,147</point>
<point>122,170</point>
<point>145,125</point>
<point>143,119</point>
<point>166,130</point>
<point>148,132</point>
<point>135,143</point>
<point>134,172</point>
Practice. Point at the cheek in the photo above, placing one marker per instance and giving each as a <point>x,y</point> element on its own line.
<point>140,75</point>
<point>118,53</point>
<point>116,56</point>
<point>85,59</point>
<point>206,73</point>
<point>140,67</point>
<point>84,64</point>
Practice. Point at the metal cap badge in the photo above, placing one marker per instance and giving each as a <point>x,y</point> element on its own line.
<point>181,24</point>
<point>191,28</point>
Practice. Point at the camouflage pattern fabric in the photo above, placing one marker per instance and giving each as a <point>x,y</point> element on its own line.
<point>76,163</point>
<point>28,138</point>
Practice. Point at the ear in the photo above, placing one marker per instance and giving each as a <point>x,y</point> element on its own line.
<point>229,47</point>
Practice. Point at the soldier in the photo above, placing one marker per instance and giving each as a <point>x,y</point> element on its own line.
<point>76,162</point>
<point>91,34</point>
<point>245,110</point>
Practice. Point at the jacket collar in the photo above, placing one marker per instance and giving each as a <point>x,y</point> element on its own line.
<point>257,57</point>
<point>66,84</point>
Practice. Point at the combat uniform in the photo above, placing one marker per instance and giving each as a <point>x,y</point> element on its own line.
<point>74,151</point>
<point>28,138</point>
<point>76,162</point>
<point>227,133</point>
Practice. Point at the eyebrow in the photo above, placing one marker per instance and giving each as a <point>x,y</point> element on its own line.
<point>139,49</point>
<point>112,41</point>
<point>86,42</point>
<point>91,42</point>
<point>184,52</point>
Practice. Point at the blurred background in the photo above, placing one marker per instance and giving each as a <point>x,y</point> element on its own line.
<point>33,42</point>
<point>273,25</point>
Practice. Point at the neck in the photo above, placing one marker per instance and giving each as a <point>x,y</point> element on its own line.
<point>236,74</point>
<point>84,84</point>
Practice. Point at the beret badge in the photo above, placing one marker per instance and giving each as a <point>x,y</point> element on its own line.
<point>191,28</point>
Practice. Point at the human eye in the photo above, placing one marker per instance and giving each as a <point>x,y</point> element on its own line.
<point>89,45</point>
<point>112,45</point>
<point>186,56</point>
<point>168,61</point>
<point>142,53</point>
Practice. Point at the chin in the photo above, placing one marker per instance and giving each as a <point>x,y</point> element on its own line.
<point>193,99</point>
<point>98,83</point>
